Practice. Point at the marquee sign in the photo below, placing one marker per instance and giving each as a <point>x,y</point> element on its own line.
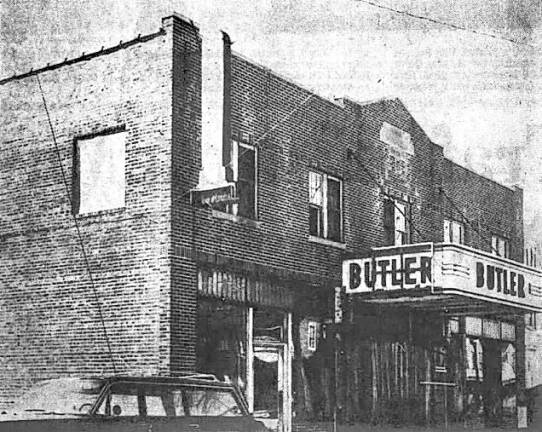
<point>445,269</point>
<point>466,271</point>
<point>390,269</point>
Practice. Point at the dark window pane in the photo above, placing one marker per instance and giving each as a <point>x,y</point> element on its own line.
<point>246,183</point>
<point>334,212</point>
<point>389,222</point>
<point>246,194</point>
<point>408,225</point>
<point>247,165</point>
<point>315,220</point>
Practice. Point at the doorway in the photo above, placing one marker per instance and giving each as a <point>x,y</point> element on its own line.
<point>270,368</point>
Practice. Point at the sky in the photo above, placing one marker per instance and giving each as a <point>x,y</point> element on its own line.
<point>480,97</point>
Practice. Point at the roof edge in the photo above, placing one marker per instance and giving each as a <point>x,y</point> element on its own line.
<point>512,188</point>
<point>85,57</point>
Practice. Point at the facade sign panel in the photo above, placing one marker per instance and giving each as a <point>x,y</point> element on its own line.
<point>239,288</point>
<point>445,269</point>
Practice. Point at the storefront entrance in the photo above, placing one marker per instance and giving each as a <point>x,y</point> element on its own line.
<point>269,384</point>
<point>269,397</point>
<point>251,347</point>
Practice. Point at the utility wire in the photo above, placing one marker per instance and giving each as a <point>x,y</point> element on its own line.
<point>276,125</point>
<point>283,119</point>
<point>72,211</point>
<point>445,23</point>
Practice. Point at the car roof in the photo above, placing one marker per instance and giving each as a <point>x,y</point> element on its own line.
<point>193,379</point>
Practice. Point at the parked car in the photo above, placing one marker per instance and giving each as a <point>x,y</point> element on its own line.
<point>188,403</point>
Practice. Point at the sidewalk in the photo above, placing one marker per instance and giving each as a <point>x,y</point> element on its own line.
<point>534,426</point>
<point>328,427</point>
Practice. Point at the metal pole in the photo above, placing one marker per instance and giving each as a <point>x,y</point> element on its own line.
<point>445,407</point>
<point>336,379</point>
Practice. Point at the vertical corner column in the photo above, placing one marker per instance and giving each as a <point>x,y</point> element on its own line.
<point>521,382</point>
<point>250,359</point>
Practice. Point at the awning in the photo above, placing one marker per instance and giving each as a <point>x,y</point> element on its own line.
<point>448,277</point>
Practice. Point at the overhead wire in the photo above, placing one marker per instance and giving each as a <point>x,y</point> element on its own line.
<point>444,23</point>
<point>275,126</point>
<point>78,230</point>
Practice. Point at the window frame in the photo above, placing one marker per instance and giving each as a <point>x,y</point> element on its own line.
<point>404,233</point>
<point>390,227</point>
<point>76,171</point>
<point>451,224</point>
<point>496,239</point>
<point>323,215</point>
<point>238,148</point>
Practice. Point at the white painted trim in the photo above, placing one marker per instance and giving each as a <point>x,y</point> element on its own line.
<point>250,359</point>
<point>326,242</point>
<point>237,219</point>
<point>288,396</point>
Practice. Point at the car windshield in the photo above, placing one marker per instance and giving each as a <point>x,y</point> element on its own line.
<point>135,399</point>
<point>66,397</point>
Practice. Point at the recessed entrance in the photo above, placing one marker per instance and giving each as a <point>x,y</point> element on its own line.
<point>271,369</point>
<point>250,347</point>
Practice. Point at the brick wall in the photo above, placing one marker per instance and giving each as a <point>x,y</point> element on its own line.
<point>49,320</point>
<point>490,207</point>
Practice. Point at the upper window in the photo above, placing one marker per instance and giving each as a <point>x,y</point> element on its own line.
<point>396,222</point>
<point>99,180</point>
<point>500,246</point>
<point>454,232</point>
<point>325,206</point>
<point>243,167</point>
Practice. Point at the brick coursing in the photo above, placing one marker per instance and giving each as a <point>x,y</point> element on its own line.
<point>49,323</point>
<point>145,257</point>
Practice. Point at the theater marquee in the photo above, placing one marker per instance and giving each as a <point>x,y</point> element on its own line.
<point>445,269</point>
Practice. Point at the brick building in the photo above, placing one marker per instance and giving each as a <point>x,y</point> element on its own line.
<point>190,276</point>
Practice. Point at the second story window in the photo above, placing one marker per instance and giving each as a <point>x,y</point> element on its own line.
<point>500,246</point>
<point>244,167</point>
<point>99,176</point>
<point>325,206</point>
<point>454,232</point>
<point>396,222</point>
<point>246,179</point>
